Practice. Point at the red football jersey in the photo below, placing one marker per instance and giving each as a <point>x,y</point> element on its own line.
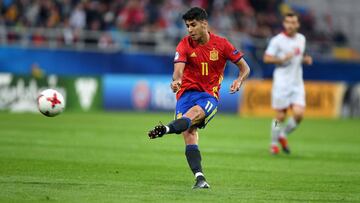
<point>204,64</point>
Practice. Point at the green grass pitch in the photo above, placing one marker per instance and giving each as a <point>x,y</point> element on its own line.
<point>107,157</point>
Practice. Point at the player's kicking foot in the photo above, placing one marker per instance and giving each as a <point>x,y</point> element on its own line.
<point>158,131</point>
<point>274,149</point>
<point>284,144</point>
<point>201,183</point>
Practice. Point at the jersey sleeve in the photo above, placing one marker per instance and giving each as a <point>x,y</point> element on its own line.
<point>272,48</point>
<point>304,42</point>
<point>232,53</point>
<point>181,54</point>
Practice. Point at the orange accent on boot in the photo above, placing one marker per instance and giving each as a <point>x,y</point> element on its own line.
<point>283,141</point>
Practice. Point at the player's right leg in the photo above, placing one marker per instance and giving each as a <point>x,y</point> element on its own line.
<point>276,127</point>
<point>192,109</point>
<point>297,100</point>
<point>193,157</point>
<point>187,124</point>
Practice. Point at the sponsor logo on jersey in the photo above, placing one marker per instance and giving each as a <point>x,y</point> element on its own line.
<point>214,55</point>
<point>193,54</point>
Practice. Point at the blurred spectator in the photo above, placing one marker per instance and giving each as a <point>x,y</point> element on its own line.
<point>132,16</point>
<point>38,38</point>
<point>54,17</point>
<point>106,42</point>
<point>68,37</point>
<point>12,14</point>
<point>32,12</point>
<point>243,7</point>
<point>78,17</point>
<point>36,71</point>
<point>340,39</point>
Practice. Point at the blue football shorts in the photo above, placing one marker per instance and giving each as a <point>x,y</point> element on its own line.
<point>192,98</point>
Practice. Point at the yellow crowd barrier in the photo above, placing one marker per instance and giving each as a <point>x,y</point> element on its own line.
<point>323,99</point>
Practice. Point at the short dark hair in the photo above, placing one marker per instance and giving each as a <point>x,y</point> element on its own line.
<point>291,14</point>
<point>195,13</point>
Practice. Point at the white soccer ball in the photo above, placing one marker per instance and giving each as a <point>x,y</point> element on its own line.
<point>51,103</point>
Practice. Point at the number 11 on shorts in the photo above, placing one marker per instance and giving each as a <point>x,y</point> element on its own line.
<point>208,106</point>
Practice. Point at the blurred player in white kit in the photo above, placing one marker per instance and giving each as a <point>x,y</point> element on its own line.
<point>286,50</point>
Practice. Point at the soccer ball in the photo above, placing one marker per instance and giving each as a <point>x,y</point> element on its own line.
<point>50,103</point>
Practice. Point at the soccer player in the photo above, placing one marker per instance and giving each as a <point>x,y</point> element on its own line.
<point>286,51</point>
<point>199,64</point>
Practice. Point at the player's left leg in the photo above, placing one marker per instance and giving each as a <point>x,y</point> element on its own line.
<point>298,109</point>
<point>203,108</point>
<point>290,126</point>
<point>295,120</point>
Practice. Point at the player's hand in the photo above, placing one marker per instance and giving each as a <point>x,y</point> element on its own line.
<point>235,86</point>
<point>287,57</point>
<point>308,60</point>
<point>175,85</point>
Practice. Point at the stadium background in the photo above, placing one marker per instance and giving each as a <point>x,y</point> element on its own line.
<point>116,56</point>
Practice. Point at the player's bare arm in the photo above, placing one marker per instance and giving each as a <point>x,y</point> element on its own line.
<point>307,60</point>
<point>244,73</point>
<point>268,59</point>
<point>177,75</point>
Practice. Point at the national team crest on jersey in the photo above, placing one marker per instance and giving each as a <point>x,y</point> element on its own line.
<point>214,55</point>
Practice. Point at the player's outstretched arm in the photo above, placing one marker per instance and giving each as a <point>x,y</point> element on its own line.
<point>269,59</point>
<point>244,73</point>
<point>177,76</point>
<point>307,60</point>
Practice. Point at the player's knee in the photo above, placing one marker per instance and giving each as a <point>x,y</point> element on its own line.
<point>298,117</point>
<point>298,113</point>
<point>179,125</point>
<point>190,137</point>
<point>280,116</point>
<point>195,114</point>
